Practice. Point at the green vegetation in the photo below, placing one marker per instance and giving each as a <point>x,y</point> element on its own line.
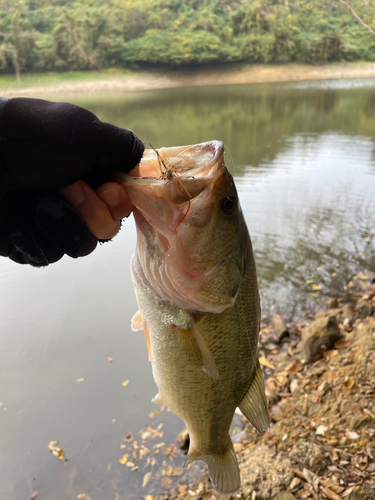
<point>71,35</point>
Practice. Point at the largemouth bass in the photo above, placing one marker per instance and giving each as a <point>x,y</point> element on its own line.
<point>196,287</point>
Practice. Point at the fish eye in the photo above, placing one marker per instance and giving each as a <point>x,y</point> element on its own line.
<point>229,205</point>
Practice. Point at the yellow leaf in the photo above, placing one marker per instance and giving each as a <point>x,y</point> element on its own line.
<point>368,239</point>
<point>316,287</point>
<point>314,294</point>
<point>309,282</point>
<point>80,379</point>
<point>55,450</point>
<point>125,383</point>
<point>150,497</point>
<point>123,459</point>
<point>146,479</point>
<point>263,361</point>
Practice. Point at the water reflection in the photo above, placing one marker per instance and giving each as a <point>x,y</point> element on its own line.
<point>304,166</point>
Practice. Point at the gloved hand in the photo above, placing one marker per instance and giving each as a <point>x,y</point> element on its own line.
<point>43,147</point>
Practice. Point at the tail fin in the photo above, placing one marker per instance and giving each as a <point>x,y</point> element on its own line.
<point>222,468</point>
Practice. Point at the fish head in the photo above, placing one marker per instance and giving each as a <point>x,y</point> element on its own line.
<point>191,235</point>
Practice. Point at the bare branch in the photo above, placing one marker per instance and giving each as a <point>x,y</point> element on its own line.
<point>357,16</point>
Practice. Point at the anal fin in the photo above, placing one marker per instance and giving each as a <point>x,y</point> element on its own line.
<point>254,404</point>
<point>196,350</point>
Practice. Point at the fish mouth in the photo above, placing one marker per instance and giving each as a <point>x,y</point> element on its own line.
<point>170,178</point>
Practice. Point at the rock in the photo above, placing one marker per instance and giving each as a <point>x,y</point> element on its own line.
<point>279,328</point>
<point>353,413</point>
<point>285,495</point>
<point>364,308</point>
<point>346,314</point>
<point>183,439</point>
<point>319,336</point>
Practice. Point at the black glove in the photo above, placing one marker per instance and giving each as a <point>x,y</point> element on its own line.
<point>45,146</point>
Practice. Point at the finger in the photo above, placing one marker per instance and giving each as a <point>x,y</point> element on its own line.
<point>116,198</point>
<point>93,210</point>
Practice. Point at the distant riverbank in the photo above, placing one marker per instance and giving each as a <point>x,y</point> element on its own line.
<point>130,80</point>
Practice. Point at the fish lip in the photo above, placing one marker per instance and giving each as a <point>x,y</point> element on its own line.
<point>204,174</point>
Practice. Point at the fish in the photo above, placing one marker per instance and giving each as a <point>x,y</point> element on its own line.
<point>195,283</point>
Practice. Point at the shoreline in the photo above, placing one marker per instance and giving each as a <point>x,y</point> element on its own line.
<point>106,81</point>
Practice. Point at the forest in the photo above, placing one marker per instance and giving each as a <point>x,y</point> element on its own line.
<point>62,35</point>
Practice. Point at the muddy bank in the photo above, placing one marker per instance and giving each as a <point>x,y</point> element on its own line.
<point>187,78</point>
<point>320,383</point>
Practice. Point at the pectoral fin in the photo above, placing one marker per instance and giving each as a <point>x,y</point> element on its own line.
<point>254,404</point>
<point>196,350</point>
<point>136,322</point>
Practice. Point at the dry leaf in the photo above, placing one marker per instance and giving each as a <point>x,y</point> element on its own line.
<point>352,435</point>
<point>150,497</point>
<point>125,383</point>
<point>83,496</point>
<point>304,493</point>
<point>341,344</point>
<point>263,361</point>
<point>321,430</point>
<point>110,360</point>
<point>33,496</point>
<point>55,450</point>
<point>146,479</point>
<point>124,459</point>
<point>331,494</point>
<point>80,379</point>
<point>312,478</point>
<point>152,414</point>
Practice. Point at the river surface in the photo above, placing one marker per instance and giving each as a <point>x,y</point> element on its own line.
<point>303,159</point>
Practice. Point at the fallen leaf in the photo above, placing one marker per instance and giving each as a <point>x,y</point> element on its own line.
<point>316,287</point>
<point>113,420</point>
<point>263,361</point>
<point>110,360</point>
<point>152,414</point>
<point>55,450</point>
<point>125,383</point>
<point>352,435</point>
<point>304,493</point>
<point>33,496</point>
<point>83,496</point>
<point>341,344</point>
<point>146,479</point>
<point>312,478</point>
<point>123,459</point>
<point>321,430</point>
<point>150,497</point>
<point>80,379</point>
<point>331,494</point>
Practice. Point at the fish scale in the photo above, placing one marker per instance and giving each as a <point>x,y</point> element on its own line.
<point>196,287</point>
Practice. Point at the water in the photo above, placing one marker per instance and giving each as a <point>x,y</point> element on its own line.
<point>304,164</point>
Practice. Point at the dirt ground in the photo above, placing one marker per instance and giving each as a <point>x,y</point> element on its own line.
<point>321,442</point>
<point>142,80</point>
